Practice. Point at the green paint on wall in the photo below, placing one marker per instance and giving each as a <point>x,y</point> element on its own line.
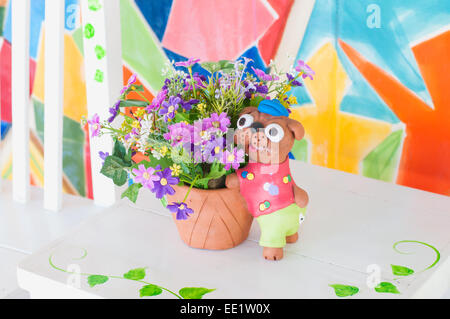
<point>2,19</point>
<point>73,147</point>
<point>89,31</point>
<point>77,36</point>
<point>140,49</point>
<point>99,76</point>
<point>300,150</point>
<point>94,5</point>
<point>100,52</point>
<point>381,163</point>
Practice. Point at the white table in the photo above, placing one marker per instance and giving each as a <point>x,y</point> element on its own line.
<point>352,222</point>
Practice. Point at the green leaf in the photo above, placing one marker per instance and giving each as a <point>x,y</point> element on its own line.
<point>133,103</point>
<point>135,274</point>
<point>95,280</point>
<point>194,293</point>
<point>119,150</point>
<point>217,171</point>
<point>387,287</point>
<point>114,168</point>
<point>164,202</point>
<point>222,65</point>
<point>401,270</point>
<point>132,192</point>
<point>150,290</point>
<point>164,162</point>
<point>344,290</point>
<point>381,163</point>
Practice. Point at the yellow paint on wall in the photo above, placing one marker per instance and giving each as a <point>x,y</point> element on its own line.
<point>339,140</point>
<point>75,105</point>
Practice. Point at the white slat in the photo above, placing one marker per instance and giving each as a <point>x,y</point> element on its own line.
<point>101,95</point>
<point>20,99</point>
<point>54,96</point>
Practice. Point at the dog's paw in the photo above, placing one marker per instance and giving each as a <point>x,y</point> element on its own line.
<point>270,253</point>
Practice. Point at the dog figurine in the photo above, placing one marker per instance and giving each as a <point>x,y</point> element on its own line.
<point>278,204</point>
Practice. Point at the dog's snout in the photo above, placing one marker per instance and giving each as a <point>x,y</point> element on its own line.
<point>256,126</point>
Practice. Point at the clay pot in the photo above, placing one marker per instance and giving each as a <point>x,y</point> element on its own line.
<point>220,220</point>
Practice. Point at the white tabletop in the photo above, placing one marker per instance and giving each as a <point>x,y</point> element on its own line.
<point>352,223</point>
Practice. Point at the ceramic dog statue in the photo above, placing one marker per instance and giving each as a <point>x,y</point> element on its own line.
<point>272,197</point>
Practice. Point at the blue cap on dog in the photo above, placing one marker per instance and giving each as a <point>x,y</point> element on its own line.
<point>273,107</point>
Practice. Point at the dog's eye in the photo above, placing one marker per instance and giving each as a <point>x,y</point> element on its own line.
<point>245,121</point>
<point>274,132</point>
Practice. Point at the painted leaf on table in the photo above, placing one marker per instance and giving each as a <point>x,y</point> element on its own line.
<point>194,293</point>
<point>401,270</point>
<point>135,274</point>
<point>150,290</point>
<point>387,287</point>
<point>344,290</point>
<point>95,280</point>
<point>382,161</point>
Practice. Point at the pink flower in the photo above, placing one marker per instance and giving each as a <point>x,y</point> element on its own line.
<point>95,125</point>
<point>179,133</point>
<point>189,63</point>
<point>262,75</point>
<point>216,121</point>
<point>233,159</point>
<point>145,176</point>
<point>157,101</point>
<point>305,69</point>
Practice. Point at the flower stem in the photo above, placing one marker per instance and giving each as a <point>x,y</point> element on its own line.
<point>190,188</point>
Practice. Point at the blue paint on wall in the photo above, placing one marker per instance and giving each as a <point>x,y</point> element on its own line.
<point>37,12</point>
<point>4,129</point>
<point>156,13</point>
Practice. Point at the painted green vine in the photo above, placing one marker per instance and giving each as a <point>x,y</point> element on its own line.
<point>137,275</point>
<point>387,287</point>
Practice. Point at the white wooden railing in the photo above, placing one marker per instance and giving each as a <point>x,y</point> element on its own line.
<point>100,94</point>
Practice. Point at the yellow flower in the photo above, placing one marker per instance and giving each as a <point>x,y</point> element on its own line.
<point>176,170</point>
<point>292,100</point>
<point>163,151</point>
<point>140,112</point>
<point>136,124</point>
<point>201,107</point>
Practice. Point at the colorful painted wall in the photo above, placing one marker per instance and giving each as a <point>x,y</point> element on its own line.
<point>376,108</point>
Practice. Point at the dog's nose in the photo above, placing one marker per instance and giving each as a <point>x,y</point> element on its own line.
<point>255,126</point>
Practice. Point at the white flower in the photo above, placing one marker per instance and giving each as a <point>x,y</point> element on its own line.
<point>156,154</point>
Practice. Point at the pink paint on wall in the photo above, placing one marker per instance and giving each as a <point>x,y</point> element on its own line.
<point>215,30</point>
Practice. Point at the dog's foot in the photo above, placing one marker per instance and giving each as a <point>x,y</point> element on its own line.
<point>270,253</point>
<point>292,239</point>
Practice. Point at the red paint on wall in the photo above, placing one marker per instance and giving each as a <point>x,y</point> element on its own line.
<point>5,80</point>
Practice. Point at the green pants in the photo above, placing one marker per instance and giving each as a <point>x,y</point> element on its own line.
<point>277,225</point>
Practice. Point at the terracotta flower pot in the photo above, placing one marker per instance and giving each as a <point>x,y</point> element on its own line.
<point>220,220</point>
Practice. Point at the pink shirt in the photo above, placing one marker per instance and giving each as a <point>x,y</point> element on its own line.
<point>266,187</point>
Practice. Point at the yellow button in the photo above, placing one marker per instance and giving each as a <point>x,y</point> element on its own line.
<point>250,176</point>
<point>262,207</point>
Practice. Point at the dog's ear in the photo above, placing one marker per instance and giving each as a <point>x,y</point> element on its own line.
<point>296,128</point>
<point>249,110</point>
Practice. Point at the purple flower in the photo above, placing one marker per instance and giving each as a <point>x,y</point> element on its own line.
<point>293,81</point>
<point>131,81</point>
<point>114,111</point>
<point>188,105</point>
<point>162,186</point>
<point>233,159</point>
<point>179,133</point>
<point>262,75</point>
<point>305,69</point>
<point>169,108</point>
<point>181,209</point>
<point>263,89</point>
<point>214,150</point>
<point>157,101</point>
<point>145,176</point>
<point>216,121</point>
<point>95,125</point>
<point>103,156</point>
<point>188,64</point>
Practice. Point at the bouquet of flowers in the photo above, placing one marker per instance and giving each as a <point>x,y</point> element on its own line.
<point>185,135</point>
